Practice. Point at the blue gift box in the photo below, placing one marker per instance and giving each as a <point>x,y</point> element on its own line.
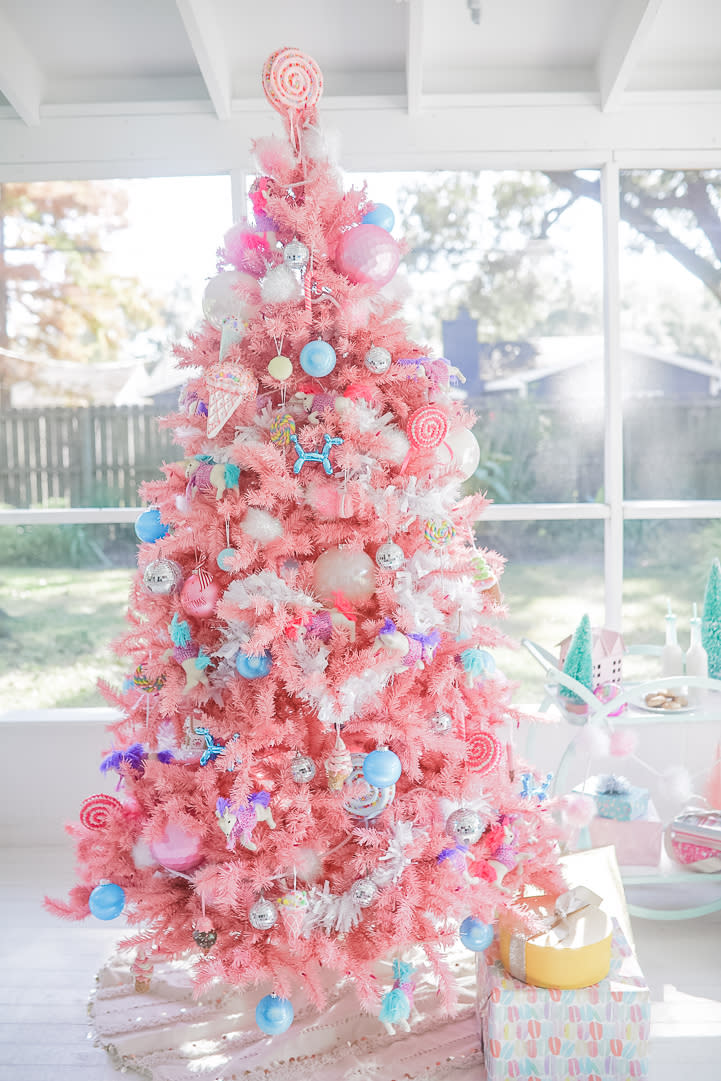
<point>623,806</point>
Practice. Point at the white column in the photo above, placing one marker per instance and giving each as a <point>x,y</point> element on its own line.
<point>613,401</point>
<point>239,193</point>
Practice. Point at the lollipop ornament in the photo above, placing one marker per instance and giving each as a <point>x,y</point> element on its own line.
<point>293,84</point>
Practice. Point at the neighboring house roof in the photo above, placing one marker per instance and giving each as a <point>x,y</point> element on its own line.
<point>556,355</point>
<point>44,381</point>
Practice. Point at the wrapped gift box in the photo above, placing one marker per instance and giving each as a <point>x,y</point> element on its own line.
<point>637,842</point>
<point>597,1033</point>
<point>622,806</point>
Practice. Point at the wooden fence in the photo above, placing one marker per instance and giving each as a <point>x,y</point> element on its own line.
<point>96,456</point>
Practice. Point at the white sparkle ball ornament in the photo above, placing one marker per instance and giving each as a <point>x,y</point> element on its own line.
<point>296,255</point>
<point>377,360</point>
<point>261,526</point>
<point>466,825</point>
<point>364,892</point>
<point>280,285</point>
<point>460,451</point>
<point>263,915</point>
<point>390,556</point>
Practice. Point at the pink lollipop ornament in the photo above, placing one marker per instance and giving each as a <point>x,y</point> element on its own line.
<point>427,428</point>
<point>293,84</point>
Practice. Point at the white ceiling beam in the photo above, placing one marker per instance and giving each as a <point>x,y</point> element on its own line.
<point>21,79</point>
<point>414,56</point>
<point>207,43</point>
<point>620,51</point>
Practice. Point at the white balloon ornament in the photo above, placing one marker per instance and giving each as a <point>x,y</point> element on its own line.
<point>342,570</point>
<point>460,451</point>
<point>222,299</point>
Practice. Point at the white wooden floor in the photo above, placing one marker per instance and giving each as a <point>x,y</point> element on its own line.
<point>47,969</point>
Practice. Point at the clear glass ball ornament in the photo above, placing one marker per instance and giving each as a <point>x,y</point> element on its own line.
<point>466,825</point>
<point>377,359</point>
<point>302,768</point>
<point>390,556</point>
<point>263,915</point>
<point>296,255</point>
<point>364,892</point>
<point>441,721</point>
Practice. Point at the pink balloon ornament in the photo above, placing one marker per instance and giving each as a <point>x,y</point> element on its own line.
<point>177,849</point>
<point>367,255</point>
<point>199,595</point>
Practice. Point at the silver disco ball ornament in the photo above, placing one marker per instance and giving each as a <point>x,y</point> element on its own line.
<point>364,892</point>
<point>263,915</point>
<point>302,768</point>
<point>465,825</point>
<point>390,556</point>
<point>162,576</point>
<point>441,721</point>
<point>377,359</point>
<point>296,255</point>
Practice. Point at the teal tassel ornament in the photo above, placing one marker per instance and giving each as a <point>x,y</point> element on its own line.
<point>180,632</point>
<point>711,623</point>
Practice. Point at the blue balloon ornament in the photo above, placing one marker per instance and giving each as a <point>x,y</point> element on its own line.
<point>317,358</point>
<point>148,526</point>
<point>380,215</point>
<point>224,558</point>
<point>476,935</point>
<point>107,901</point>
<point>254,665</point>
<point>382,768</point>
<point>274,1014</point>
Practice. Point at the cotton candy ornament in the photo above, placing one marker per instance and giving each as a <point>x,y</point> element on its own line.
<point>427,427</point>
<point>229,385</point>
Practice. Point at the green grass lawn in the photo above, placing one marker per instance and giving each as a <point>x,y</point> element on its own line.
<point>57,625</point>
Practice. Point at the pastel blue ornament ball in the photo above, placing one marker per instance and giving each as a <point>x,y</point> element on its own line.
<point>107,901</point>
<point>380,215</point>
<point>254,665</point>
<point>274,1014</point>
<point>476,935</point>
<point>382,768</point>
<point>317,358</point>
<point>148,526</point>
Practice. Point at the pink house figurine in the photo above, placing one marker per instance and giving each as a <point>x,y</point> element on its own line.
<point>607,651</point>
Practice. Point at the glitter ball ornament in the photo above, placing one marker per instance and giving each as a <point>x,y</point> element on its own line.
<point>317,358</point>
<point>441,721</point>
<point>162,576</point>
<point>296,255</point>
<point>274,1015</point>
<point>280,368</point>
<point>475,935</point>
<point>367,255</point>
<point>302,768</point>
<point>377,359</point>
<point>199,595</point>
<point>390,556</point>
<point>466,825</point>
<point>364,892</point>
<point>107,901</point>
<point>263,915</point>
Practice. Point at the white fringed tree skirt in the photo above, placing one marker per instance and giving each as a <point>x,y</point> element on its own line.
<point>167,1035</point>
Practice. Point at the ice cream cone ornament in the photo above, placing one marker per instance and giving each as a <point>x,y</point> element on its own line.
<point>338,764</point>
<point>229,385</point>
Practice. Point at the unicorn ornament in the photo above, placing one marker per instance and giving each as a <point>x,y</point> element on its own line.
<point>409,650</point>
<point>238,821</point>
<point>206,475</point>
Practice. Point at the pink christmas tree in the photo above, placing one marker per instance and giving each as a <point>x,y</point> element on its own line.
<point>314,762</point>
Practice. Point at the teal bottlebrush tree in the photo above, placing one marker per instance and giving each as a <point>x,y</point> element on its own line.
<point>711,625</point>
<point>578,665</point>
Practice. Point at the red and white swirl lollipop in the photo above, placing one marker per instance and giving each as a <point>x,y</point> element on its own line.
<point>426,428</point>
<point>292,82</point>
<point>484,752</point>
<point>96,812</point>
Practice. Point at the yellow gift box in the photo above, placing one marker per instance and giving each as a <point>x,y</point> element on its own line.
<point>572,948</point>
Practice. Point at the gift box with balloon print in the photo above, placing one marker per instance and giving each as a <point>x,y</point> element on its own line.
<point>597,1033</point>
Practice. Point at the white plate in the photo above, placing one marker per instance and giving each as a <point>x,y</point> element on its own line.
<point>636,699</point>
